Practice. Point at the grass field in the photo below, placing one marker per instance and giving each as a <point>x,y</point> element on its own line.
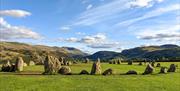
<point>32,80</point>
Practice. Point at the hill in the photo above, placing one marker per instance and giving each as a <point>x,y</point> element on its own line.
<point>105,55</point>
<point>166,52</point>
<point>163,52</point>
<point>37,53</point>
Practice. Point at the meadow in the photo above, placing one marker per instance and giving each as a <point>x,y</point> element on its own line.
<point>31,79</point>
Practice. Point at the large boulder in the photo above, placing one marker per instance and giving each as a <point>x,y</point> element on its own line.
<point>158,65</point>
<point>96,68</point>
<point>172,68</point>
<point>31,63</point>
<point>163,70</point>
<point>19,64</point>
<point>108,72</point>
<point>65,70</point>
<point>149,69</point>
<point>84,72</point>
<point>6,67</point>
<point>131,72</point>
<point>51,65</point>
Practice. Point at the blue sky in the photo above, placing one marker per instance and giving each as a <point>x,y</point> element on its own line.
<point>91,25</point>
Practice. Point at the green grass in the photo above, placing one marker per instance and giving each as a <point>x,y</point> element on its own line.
<point>32,80</point>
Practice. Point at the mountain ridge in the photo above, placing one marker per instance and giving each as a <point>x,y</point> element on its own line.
<point>37,53</point>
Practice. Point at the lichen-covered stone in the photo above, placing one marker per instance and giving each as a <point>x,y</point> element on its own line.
<point>65,70</point>
<point>108,72</point>
<point>19,64</point>
<point>149,69</point>
<point>163,70</point>
<point>96,68</point>
<point>51,65</point>
<point>172,68</point>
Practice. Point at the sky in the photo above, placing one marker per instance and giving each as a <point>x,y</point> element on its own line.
<point>91,25</point>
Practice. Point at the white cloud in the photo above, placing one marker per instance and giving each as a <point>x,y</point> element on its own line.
<point>98,38</point>
<point>93,41</point>
<point>65,28</point>
<point>89,6</point>
<point>109,10</point>
<point>141,3</point>
<point>153,13</point>
<point>104,45</point>
<point>9,32</point>
<point>166,33</point>
<point>15,13</point>
<point>160,1</point>
<point>80,33</point>
<point>84,1</point>
<point>144,3</point>
<point>72,39</point>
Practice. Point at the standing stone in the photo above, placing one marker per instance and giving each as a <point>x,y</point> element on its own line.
<point>13,68</point>
<point>114,62</point>
<point>158,65</point>
<point>153,64</point>
<point>108,72</point>
<point>86,60</point>
<point>8,63</point>
<point>65,70</point>
<point>130,62</point>
<point>163,70</point>
<point>62,60</point>
<point>172,68</point>
<point>110,62</point>
<point>6,67</point>
<point>65,62</point>
<point>96,68</point>
<point>69,63</point>
<point>51,65</point>
<point>31,63</point>
<point>19,64</point>
<point>99,60</point>
<point>149,69</point>
<point>119,61</point>
<point>140,63</point>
